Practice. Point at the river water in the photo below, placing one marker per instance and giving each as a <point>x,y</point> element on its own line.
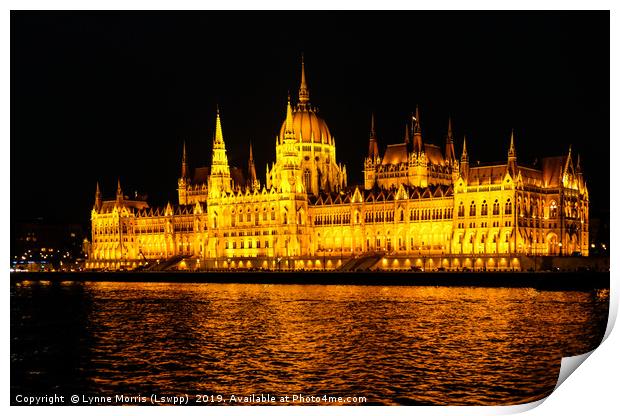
<point>390,345</point>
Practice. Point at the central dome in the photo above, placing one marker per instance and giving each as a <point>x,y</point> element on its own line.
<point>308,127</point>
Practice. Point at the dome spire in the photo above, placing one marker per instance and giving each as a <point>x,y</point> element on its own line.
<point>304,93</point>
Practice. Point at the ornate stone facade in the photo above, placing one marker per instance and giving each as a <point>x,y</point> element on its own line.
<point>419,207</point>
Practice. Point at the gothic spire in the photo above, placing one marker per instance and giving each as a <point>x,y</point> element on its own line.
<point>464,156</point>
<point>119,190</point>
<point>219,137</point>
<point>407,133</point>
<point>288,127</point>
<point>97,197</point>
<point>372,125</point>
<point>219,178</point>
<point>304,93</point>
<point>416,128</point>
<point>184,170</point>
<point>252,179</point>
<point>450,155</point>
<point>373,148</point>
<point>417,132</point>
<point>512,153</point>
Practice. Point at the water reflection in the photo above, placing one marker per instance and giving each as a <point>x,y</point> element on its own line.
<point>394,345</point>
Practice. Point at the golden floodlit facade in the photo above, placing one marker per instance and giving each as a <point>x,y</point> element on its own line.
<point>420,207</point>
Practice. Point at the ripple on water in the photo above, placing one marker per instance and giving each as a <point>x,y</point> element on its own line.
<point>394,345</point>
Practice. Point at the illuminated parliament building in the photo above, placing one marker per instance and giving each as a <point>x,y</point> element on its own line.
<point>420,207</point>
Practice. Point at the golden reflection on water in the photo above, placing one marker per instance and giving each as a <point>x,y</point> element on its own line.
<point>394,345</point>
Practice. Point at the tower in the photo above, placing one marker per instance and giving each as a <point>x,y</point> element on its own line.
<point>290,180</point>
<point>219,178</point>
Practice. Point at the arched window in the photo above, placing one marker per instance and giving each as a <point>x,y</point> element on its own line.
<point>307,180</point>
<point>402,216</point>
<point>284,219</point>
<point>553,210</point>
<point>472,209</point>
<point>461,209</point>
<point>496,207</point>
<point>484,210</point>
<point>508,207</point>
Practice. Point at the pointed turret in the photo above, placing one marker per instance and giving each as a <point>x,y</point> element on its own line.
<point>450,155</point>
<point>98,199</point>
<point>289,133</point>
<point>373,147</point>
<point>304,93</point>
<point>417,132</point>
<point>512,155</point>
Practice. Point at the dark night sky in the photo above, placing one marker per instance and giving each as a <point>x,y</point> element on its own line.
<point>99,95</point>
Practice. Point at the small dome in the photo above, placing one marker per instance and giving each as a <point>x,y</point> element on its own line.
<point>306,123</point>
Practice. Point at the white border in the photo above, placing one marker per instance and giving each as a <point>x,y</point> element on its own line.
<point>593,387</point>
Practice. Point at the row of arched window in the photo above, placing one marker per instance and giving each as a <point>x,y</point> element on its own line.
<point>484,208</point>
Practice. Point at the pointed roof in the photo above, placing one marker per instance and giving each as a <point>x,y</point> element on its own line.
<point>407,133</point>
<point>464,154</point>
<point>511,151</point>
<point>304,93</point>
<point>373,134</point>
<point>219,136</point>
<point>184,170</point>
<point>450,154</point>
<point>416,128</point>
<point>289,118</point>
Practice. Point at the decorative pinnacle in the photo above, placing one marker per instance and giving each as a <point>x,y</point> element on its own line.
<point>289,117</point>
<point>512,152</point>
<point>251,153</point>
<point>450,129</point>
